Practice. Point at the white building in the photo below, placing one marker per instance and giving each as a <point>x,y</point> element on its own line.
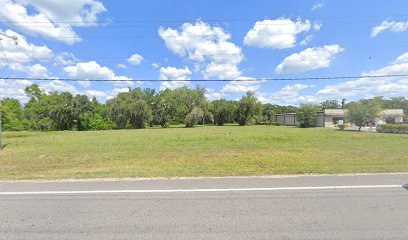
<point>331,117</point>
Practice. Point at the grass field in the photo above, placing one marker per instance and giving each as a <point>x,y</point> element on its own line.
<point>200,151</point>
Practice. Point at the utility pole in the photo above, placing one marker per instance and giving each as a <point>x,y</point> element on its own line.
<point>15,39</point>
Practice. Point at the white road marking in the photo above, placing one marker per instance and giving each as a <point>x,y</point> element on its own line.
<point>200,190</point>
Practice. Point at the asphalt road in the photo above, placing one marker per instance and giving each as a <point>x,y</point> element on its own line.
<point>319,207</point>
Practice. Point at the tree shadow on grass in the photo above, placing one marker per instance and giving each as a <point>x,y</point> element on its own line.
<point>3,147</point>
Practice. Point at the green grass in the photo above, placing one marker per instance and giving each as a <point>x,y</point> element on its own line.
<point>200,151</point>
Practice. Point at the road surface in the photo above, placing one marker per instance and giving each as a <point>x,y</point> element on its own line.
<point>302,207</point>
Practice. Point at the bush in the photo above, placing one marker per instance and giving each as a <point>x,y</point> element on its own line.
<point>166,125</point>
<point>342,127</point>
<point>270,123</point>
<point>393,128</point>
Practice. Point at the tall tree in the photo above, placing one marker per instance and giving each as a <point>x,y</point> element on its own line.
<point>249,110</point>
<point>130,110</point>
<point>362,112</point>
<point>12,117</point>
<point>306,115</point>
<point>330,104</point>
<point>223,111</point>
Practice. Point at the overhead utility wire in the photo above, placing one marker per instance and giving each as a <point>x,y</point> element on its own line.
<point>206,80</point>
<point>80,23</point>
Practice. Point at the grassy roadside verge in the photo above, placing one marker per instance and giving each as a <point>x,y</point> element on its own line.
<point>201,151</point>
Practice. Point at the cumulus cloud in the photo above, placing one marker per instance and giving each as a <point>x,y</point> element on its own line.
<point>172,73</point>
<point>392,26</point>
<point>366,87</point>
<point>279,33</point>
<point>212,95</point>
<point>24,52</point>
<point>222,71</point>
<point>371,87</point>
<point>209,46</point>
<point>35,71</point>
<point>309,59</point>
<point>92,70</point>
<point>241,85</point>
<point>14,89</point>
<point>288,95</point>
<point>51,19</point>
<point>402,58</point>
<point>22,57</point>
<point>135,59</point>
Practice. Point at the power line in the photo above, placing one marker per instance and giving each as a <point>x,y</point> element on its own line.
<point>206,80</point>
<point>84,24</point>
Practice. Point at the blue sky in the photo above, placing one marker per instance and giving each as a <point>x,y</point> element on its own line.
<point>208,39</point>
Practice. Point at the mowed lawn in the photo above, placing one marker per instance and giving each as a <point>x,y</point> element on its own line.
<point>200,151</point>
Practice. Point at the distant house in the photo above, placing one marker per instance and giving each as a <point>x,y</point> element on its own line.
<point>331,117</point>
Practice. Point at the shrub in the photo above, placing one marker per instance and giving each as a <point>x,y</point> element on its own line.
<point>343,126</point>
<point>277,124</point>
<point>270,123</point>
<point>166,125</point>
<point>393,128</point>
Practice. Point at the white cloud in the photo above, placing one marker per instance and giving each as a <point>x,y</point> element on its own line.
<point>288,95</point>
<point>156,65</point>
<point>24,52</point>
<point>120,65</point>
<point>309,59</point>
<point>402,58</point>
<point>21,57</point>
<point>317,6</point>
<point>212,95</point>
<point>205,45</point>
<point>279,33</point>
<point>172,73</point>
<point>222,71</point>
<point>92,70</point>
<point>392,26</point>
<point>307,40</point>
<point>387,87</point>
<point>66,58</point>
<point>241,85</point>
<point>58,86</point>
<point>371,87</point>
<point>14,89</point>
<point>51,19</point>
<point>36,70</point>
<point>135,59</point>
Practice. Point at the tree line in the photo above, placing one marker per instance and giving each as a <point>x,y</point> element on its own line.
<point>140,108</point>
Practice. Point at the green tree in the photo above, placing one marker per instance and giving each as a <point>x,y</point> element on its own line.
<point>12,117</point>
<point>249,110</point>
<point>34,92</point>
<point>223,111</point>
<point>359,113</point>
<point>330,104</point>
<point>130,110</point>
<point>194,117</point>
<point>306,115</point>
<point>54,111</point>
